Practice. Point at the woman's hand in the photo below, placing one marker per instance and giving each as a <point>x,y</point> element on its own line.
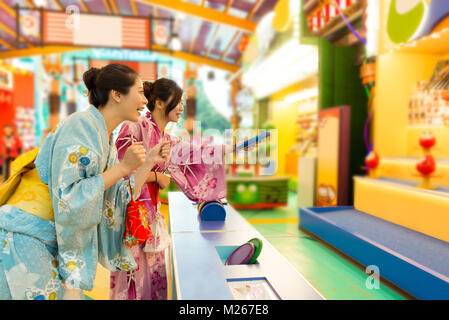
<point>156,155</point>
<point>162,180</point>
<point>159,153</point>
<point>134,158</point>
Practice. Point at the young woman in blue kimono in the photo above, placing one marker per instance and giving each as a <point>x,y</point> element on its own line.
<point>68,212</point>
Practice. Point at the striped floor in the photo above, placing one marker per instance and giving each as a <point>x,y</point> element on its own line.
<point>335,276</point>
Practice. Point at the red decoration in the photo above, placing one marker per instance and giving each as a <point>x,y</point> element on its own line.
<point>7,109</point>
<point>372,160</point>
<point>243,43</point>
<point>427,165</point>
<point>427,139</point>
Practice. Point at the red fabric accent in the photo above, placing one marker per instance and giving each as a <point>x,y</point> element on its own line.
<point>132,294</point>
<point>137,228</point>
<point>16,146</point>
<point>7,115</point>
<point>153,190</point>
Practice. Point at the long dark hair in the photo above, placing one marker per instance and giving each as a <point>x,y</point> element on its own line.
<point>163,89</point>
<point>113,76</point>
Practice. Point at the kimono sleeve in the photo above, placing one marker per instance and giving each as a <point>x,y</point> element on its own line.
<point>128,134</point>
<point>78,198</point>
<point>198,170</point>
<point>77,191</point>
<point>114,255</point>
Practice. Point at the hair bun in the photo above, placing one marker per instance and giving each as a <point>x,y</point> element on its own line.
<point>90,78</point>
<point>148,87</point>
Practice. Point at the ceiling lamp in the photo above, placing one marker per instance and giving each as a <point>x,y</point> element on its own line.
<point>40,3</point>
<point>288,65</point>
<point>175,43</point>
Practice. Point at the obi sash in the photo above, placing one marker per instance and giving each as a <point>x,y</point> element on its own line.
<point>25,190</point>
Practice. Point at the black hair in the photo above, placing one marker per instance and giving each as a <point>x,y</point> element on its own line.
<point>113,76</point>
<point>163,89</point>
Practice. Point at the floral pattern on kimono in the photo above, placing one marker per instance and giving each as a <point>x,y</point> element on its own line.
<point>88,222</point>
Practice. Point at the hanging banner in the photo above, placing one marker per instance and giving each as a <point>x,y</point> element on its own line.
<point>73,28</point>
<point>146,70</point>
<point>160,34</point>
<point>327,11</point>
<point>96,30</point>
<point>30,25</point>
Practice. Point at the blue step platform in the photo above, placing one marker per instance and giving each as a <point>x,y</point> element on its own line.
<point>413,261</point>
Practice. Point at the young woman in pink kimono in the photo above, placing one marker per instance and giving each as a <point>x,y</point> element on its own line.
<point>199,178</point>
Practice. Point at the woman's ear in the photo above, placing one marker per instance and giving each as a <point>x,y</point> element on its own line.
<point>159,104</point>
<point>116,96</point>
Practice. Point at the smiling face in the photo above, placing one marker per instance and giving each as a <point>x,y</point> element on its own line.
<point>175,114</point>
<point>164,99</point>
<point>132,103</point>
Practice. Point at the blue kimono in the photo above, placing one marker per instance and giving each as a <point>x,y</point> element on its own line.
<point>89,223</point>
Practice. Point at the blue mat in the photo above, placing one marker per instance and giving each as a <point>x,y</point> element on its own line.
<point>425,250</point>
<point>414,261</point>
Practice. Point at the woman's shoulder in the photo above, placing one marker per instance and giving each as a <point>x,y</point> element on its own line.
<point>83,121</point>
<point>141,127</point>
<point>130,128</point>
<point>75,118</point>
<point>80,128</point>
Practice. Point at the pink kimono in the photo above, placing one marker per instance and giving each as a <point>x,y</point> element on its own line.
<point>196,172</point>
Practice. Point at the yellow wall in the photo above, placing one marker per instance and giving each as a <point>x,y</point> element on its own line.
<point>284,116</point>
<point>399,68</point>
<point>397,74</point>
<point>396,77</point>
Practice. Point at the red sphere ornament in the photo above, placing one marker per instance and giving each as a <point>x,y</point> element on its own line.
<point>427,139</point>
<point>427,165</point>
<point>445,95</point>
<point>372,160</point>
